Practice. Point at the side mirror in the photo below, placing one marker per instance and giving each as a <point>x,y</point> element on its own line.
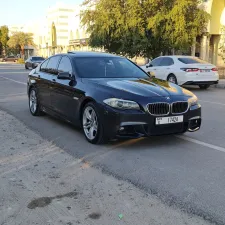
<point>65,76</point>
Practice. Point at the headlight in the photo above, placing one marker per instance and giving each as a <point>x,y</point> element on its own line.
<point>121,104</point>
<point>193,100</point>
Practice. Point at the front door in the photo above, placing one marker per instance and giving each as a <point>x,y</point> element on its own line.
<point>154,67</point>
<point>165,68</point>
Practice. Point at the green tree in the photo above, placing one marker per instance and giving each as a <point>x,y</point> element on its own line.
<point>20,40</point>
<point>143,27</point>
<point>4,37</point>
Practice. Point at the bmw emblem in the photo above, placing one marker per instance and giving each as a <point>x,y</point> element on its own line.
<point>168,98</point>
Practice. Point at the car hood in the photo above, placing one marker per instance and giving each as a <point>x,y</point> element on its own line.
<point>150,87</point>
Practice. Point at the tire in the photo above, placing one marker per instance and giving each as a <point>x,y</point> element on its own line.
<point>204,86</point>
<point>172,78</point>
<point>91,117</point>
<point>34,106</point>
<point>26,67</point>
<point>33,67</point>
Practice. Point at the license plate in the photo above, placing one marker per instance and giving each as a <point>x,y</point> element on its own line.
<point>203,71</point>
<point>169,120</point>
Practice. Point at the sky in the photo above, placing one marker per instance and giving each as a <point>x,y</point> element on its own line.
<point>16,12</point>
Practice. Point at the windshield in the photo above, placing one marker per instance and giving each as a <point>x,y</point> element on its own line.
<point>38,58</point>
<point>191,60</point>
<point>107,67</point>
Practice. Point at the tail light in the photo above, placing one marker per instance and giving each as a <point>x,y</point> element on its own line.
<point>214,69</point>
<point>190,69</point>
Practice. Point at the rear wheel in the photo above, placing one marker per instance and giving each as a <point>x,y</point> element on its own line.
<point>91,124</point>
<point>172,78</point>
<point>204,86</point>
<point>34,105</point>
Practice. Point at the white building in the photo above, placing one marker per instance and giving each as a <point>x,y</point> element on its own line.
<point>58,27</point>
<point>209,44</point>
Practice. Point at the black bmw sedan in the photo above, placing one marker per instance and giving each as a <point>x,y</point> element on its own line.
<point>109,96</point>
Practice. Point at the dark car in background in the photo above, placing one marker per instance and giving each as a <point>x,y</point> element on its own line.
<point>33,62</point>
<point>109,96</point>
<point>10,59</point>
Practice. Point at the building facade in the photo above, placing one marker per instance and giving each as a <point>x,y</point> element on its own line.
<point>209,46</point>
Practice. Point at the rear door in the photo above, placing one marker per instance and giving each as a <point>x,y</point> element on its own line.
<point>63,92</point>
<point>43,84</point>
<point>51,73</point>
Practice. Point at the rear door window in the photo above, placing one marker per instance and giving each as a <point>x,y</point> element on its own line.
<point>53,64</point>
<point>44,65</point>
<point>166,61</point>
<point>156,62</point>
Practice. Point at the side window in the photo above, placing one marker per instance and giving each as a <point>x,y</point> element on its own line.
<point>65,65</point>
<point>52,65</point>
<point>156,62</point>
<point>167,61</point>
<point>44,65</point>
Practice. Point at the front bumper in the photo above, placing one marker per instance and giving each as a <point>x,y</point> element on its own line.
<point>135,123</point>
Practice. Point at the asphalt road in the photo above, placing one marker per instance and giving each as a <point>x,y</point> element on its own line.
<point>186,171</point>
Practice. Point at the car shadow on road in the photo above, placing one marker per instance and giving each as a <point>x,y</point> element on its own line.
<point>196,88</point>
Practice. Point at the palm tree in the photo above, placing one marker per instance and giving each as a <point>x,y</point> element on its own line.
<point>21,39</point>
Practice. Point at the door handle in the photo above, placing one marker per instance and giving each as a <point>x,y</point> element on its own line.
<point>54,80</point>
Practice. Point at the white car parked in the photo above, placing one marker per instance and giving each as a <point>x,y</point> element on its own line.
<point>183,70</point>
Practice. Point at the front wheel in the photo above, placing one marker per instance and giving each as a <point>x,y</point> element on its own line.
<point>34,105</point>
<point>92,126</point>
<point>26,67</point>
<point>204,86</point>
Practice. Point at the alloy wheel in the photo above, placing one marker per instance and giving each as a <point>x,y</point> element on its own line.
<point>33,101</point>
<point>90,123</point>
<point>172,79</point>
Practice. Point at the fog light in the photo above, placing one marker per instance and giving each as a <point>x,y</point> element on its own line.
<point>122,128</point>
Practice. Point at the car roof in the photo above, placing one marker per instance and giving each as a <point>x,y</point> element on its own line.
<point>90,54</point>
<point>179,56</point>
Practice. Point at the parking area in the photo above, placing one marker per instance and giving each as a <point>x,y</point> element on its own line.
<point>186,171</point>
